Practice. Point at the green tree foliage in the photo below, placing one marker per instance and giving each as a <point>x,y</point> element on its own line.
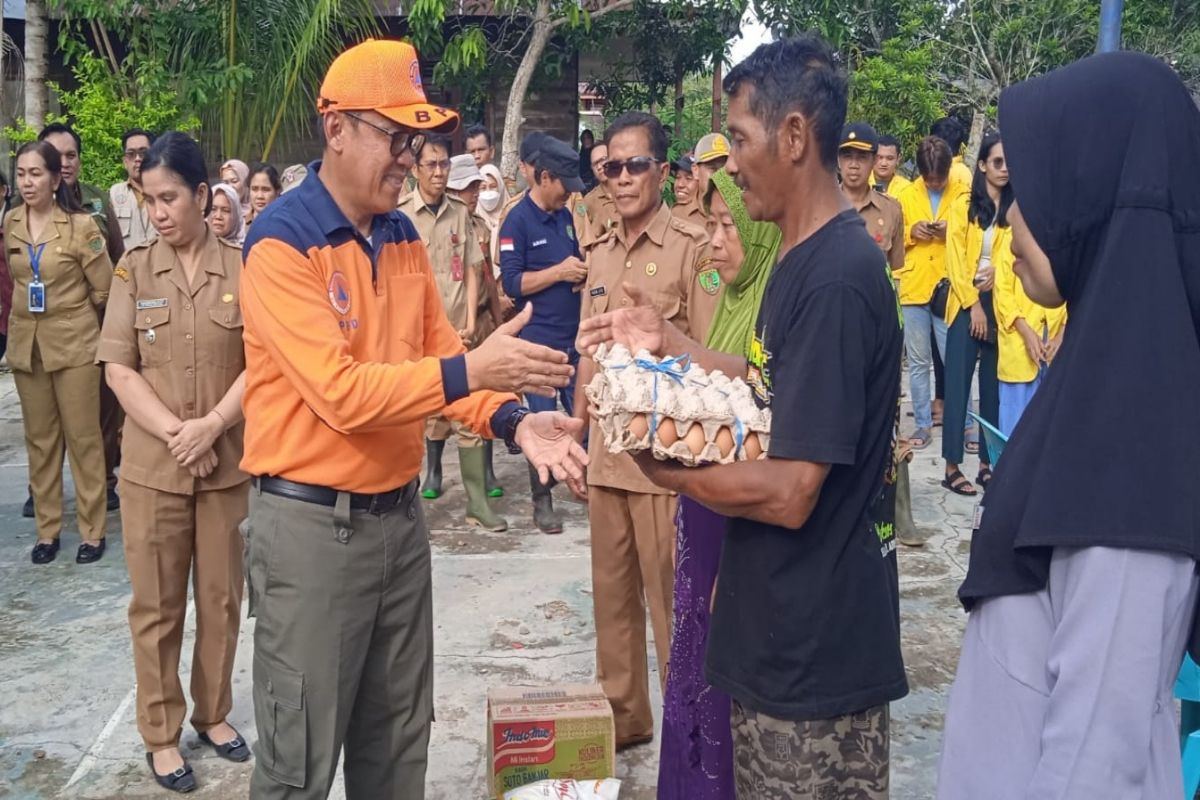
<point>249,69</point>
<point>100,113</point>
<point>988,45</point>
<point>896,91</point>
<point>857,29</point>
<point>668,42</point>
<point>1169,29</point>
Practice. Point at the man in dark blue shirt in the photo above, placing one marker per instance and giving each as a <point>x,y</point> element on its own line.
<point>540,263</point>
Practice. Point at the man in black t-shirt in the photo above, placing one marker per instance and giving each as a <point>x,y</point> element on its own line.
<point>805,633</point>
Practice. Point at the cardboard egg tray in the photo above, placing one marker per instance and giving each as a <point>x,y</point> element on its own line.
<point>688,417</point>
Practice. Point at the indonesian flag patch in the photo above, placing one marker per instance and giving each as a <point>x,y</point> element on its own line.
<point>506,245</point>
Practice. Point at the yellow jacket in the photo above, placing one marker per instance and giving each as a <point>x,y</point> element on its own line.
<point>895,186</point>
<point>924,262</point>
<point>961,172</point>
<point>964,246</point>
<point>1011,303</point>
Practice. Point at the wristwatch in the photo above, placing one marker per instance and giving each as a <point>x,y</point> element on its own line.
<point>510,431</point>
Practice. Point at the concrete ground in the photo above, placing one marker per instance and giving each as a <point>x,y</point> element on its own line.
<point>511,608</point>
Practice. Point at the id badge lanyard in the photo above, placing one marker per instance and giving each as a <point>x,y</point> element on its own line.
<point>37,290</point>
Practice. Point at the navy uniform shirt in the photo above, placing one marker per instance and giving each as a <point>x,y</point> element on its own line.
<point>530,240</point>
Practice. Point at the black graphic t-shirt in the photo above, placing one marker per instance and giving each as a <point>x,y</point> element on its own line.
<point>807,623</point>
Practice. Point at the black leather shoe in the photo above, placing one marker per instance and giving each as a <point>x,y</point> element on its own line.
<point>235,749</point>
<point>90,553</point>
<point>181,780</point>
<point>114,499</point>
<point>44,553</point>
<point>27,509</point>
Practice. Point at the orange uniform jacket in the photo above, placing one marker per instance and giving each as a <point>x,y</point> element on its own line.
<point>348,350</point>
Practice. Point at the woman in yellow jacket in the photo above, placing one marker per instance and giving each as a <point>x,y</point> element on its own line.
<point>978,241</point>
<point>926,205</point>
<point>1029,338</point>
<point>61,274</point>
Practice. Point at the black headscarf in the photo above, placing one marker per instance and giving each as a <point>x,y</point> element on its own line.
<point>1104,157</point>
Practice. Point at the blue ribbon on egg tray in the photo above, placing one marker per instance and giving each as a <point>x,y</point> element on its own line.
<point>674,368</point>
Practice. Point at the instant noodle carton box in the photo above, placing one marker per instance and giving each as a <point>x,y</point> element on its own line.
<point>562,731</point>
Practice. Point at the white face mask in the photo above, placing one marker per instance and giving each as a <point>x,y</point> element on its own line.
<point>489,199</point>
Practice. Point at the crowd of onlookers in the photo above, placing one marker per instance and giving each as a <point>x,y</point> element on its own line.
<point>290,370</point>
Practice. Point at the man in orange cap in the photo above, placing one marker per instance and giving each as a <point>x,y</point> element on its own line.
<point>348,351</point>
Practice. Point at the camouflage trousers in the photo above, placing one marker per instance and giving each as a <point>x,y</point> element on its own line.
<point>845,758</point>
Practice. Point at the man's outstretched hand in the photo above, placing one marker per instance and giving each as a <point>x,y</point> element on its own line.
<point>504,363</point>
<point>638,327</point>
<point>549,440</point>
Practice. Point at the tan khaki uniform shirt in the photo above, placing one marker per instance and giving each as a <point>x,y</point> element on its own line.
<point>690,212</point>
<point>885,223</point>
<point>601,215</point>
<point>663,262</point>
<point>708,279</point>
<point>76,272</point>
<point>449,236</point>
<point>186,341</point>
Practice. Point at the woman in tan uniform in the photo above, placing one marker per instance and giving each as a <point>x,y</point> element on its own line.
<point>61,275</point>
<point>172,349</point>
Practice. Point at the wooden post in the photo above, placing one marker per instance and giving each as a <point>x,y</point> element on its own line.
<point>679,102</point>
<point>36,55</point>
<point>716,94</point>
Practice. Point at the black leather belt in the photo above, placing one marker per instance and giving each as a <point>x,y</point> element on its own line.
<point>380,503</point>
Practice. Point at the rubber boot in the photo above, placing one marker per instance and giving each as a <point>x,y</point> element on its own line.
<point>907,532</point>
<point>433,472</point>
<point>494,489</point>
<point>545,517</point>
<point>470,460</point>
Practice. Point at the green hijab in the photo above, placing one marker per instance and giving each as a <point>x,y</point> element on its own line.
<point>733,325</point>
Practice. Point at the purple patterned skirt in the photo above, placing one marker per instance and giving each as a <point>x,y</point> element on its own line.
<point>696,762</point>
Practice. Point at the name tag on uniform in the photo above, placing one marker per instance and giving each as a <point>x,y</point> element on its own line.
<point>599,291</point>
<point>538,243</point>
<point>158,302</point>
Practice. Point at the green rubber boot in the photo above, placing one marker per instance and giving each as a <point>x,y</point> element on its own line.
<point>470,459</point>
<point>432,485</point>
<point>494,489</point>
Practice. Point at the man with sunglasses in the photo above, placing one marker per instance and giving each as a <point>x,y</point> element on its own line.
<point>540,265</point>
<point>348,352</point>
<point>446,227</point>
<point>632,520</point>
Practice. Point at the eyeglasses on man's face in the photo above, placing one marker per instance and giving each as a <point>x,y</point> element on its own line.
<point>435,166</point>
<point>402,140</point>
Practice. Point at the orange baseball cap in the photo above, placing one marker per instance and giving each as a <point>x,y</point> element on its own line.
<point>383,75</point>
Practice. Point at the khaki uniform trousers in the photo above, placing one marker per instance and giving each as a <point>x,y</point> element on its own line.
<point>62,407</point>
<point>343,647</point>
<point>167,536</point>
<point>633,554</point>
<point>438,429</point>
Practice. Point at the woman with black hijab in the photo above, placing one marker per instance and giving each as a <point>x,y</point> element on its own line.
<point>1082,583</point>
